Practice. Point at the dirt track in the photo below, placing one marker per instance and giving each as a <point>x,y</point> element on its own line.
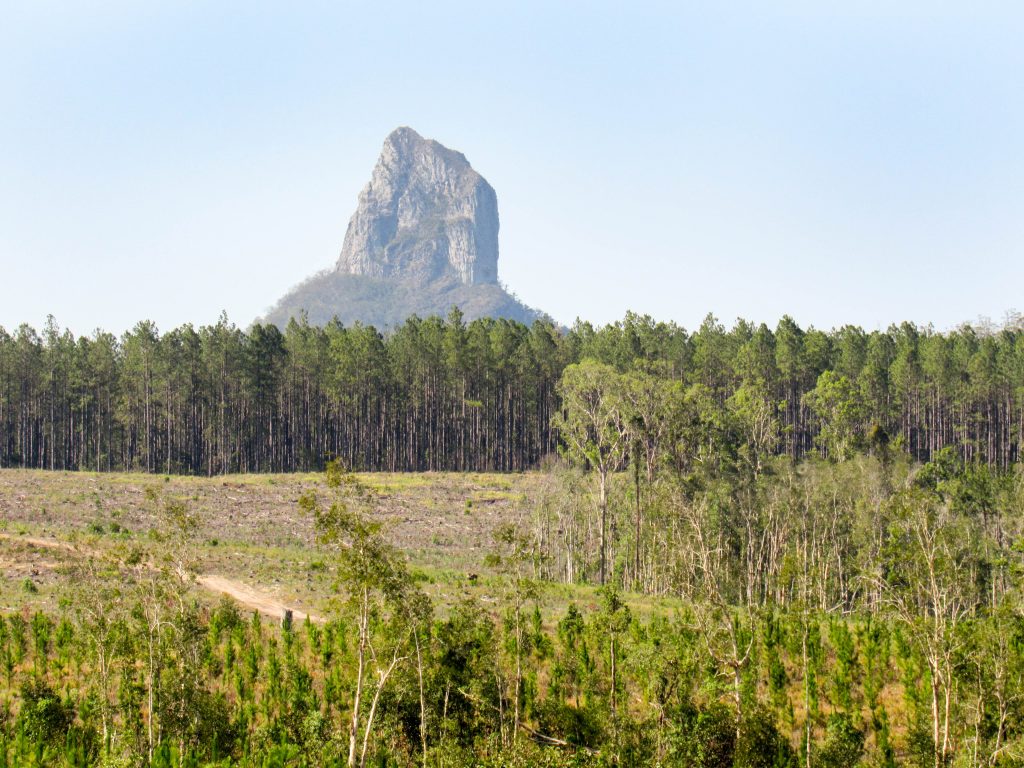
<point>246,595</point>
<point>42,543</point>
<point>253,598</point>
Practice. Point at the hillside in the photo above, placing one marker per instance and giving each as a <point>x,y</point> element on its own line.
<point>386,303</point>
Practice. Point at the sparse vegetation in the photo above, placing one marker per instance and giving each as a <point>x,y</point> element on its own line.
<point>518,664</point>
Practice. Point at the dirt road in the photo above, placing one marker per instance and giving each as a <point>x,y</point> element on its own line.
<point>248,596</point>
<point>254,598</point>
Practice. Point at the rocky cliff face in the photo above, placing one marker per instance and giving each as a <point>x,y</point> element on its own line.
<point>423,239</point>
<point>425,215</point>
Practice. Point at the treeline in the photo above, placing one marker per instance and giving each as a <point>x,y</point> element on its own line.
<point>445,395</point>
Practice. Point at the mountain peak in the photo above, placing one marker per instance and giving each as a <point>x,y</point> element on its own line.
<point>406,144</point>
<point>424,215</point>
<point>403,134</point>
<point>423,239</point>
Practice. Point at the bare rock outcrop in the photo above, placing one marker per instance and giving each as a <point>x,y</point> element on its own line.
<point>425,214</point>
<point>423,239</point>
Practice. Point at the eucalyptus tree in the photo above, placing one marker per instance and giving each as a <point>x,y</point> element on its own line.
<point>594,428</point>
<point>994,675</point>
<point>647,405</point>
<point>930,557</point>
<point>715,594</point>
<point>103,616</point>
<point>158,582</point>
<point>515,558</point>
<point>377,587</point>
<point>840,409</point>
<point>759,416</point>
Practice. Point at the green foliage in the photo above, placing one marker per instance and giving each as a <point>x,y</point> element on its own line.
<point>844,744</point>
<point>44,717</point>
<point>807,547</point>
<point>838,405</point>
<point>705,739</point>
<point>760,745</point>
<point>446,394</point>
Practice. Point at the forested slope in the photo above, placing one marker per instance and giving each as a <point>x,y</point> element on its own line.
<point>444,394</point>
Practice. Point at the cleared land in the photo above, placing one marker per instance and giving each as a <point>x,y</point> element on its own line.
<point>253,542</point>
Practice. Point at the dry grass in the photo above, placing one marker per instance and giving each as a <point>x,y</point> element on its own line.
<point>253,533</point>
<point>251,528</point>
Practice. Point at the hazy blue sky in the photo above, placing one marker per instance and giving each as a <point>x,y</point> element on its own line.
<point>170,160</point>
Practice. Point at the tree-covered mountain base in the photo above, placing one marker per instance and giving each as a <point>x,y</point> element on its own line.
<point>862,612</point>
<point>387,303</point>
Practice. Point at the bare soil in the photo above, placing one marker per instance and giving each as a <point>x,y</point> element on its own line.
<point>253,541</point>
